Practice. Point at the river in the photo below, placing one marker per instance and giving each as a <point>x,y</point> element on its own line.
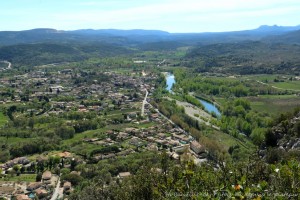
<point>170,81</point>
<point>209,107</point>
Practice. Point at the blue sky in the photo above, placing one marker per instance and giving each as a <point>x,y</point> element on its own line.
<point>168,15</point>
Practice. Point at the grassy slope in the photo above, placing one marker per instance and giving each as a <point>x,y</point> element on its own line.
<point>269,79</point>
<point>293,85</point>
<point>3,119</point>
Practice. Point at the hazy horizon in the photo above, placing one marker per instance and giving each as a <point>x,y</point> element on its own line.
<point>176,16</point>
<point>37,28</point>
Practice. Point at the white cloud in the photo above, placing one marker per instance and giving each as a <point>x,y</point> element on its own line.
<point>171,15</point>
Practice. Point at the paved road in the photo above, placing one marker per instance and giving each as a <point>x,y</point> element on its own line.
<point>56,191</point>
<point>144,102</point>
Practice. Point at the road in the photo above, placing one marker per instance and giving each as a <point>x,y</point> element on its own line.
<point>56,191</point>
<point>9,64</point>
<point>144,102</point>
<point>163,115</point>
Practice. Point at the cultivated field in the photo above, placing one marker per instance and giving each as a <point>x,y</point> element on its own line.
<point>274,104</point>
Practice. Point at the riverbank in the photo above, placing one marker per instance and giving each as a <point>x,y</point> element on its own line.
<point>208,105</point>
<point>202,97</point>
<point>196,113</point>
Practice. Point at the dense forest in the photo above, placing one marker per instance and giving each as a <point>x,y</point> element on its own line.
<point>245,58</point>
<point>48,53</point>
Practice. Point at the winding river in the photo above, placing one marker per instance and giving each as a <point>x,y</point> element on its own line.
<point>170,81</point>
<point>207,105</point>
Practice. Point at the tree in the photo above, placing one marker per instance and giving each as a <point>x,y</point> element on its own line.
<point>22,170</point>
<point>73,164</point>
<point>4,155</point>
<point>38,177</point>
<point>16,168</point>
<point>65,132</point>
<point>258,136</point>
<point>75,179</point>
<point>10,111</point>
<point>31,122</point>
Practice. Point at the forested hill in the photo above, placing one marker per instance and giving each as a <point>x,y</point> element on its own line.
<point>288,38</point>
<point>244,52</point>
<point>52,35</point>
<point>248,57</point>
<point>45,53</point>
<point>121,37</point>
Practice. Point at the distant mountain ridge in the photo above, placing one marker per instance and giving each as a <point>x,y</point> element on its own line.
<point>277,29</point>
<point>138,36</point>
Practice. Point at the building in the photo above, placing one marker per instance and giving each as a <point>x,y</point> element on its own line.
<point>124,174</point>
<point>22,197</point>
<point>33,186</point>
<point>67,186</point>
<point>46,177</point>
<point>41,193</point>
<point>196,147</point>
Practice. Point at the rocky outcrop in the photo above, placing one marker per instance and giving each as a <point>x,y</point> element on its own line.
<point>286,134</point>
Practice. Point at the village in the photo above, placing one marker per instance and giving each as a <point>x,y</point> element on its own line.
<point>122,100</point>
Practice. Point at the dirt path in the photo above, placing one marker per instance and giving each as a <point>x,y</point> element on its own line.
<point>276,87</point>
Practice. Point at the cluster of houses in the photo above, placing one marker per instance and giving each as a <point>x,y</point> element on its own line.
<point>116,93</point>
<point>23,190</point>
<point>28,191</point>
<point>17,161</point>
<point>56,87</point>
<point>154,138</point>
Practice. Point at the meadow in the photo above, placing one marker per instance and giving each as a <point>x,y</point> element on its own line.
<point>274,104</point>
<point>3,119</point>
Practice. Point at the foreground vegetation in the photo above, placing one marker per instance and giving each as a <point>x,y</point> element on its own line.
<point>161,178</point>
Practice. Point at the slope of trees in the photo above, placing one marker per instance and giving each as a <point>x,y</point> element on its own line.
<point>249,57</point>
<point>46,53</point>
<point>253,179</point>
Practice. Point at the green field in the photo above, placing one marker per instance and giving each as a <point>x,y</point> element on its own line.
<point>3,119</point>
<point>284,82</point>
<point>288,85</point>
<point>79,136</point>
<point>21,178</point>
<point>13,140</point>
<point>274,104</point>
<point>226,141</point>
<point>262,77</point>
